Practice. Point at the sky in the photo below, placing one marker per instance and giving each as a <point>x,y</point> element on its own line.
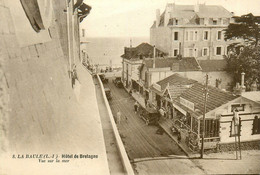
<point>133,18</point>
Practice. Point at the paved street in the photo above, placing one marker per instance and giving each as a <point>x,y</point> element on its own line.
<point>140,140</point>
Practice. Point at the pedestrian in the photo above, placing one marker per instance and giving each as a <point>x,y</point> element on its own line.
<point>136,106</point>
<point>118,117</point>
<point>74,75</point>
<point>179,136</point>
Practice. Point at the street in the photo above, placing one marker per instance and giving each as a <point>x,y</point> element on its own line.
<point>140,140</point>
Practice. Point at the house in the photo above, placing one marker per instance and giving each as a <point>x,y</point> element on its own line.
<point>132,60</point>
<point>191,31</point>
<point>154,70</point>
<point>220,126</point>
<point>216,70</point>
<point>167,89</point>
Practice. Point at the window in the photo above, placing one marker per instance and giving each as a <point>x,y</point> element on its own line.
<point>205,51</point>
<point>195,52</point>
<point>176,22</point>
<point>175,52</point>
<point>219,35</point>
<point>191,35</point>
<point>176,35</point>
<point>214,22</point>
<point>239,107</point>
<point>218,50</point>
<point>206,35</point>
<point>256,125</point>
<point>196,35</point>
<point>190,52</point>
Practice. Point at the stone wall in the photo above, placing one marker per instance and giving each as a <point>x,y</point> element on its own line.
<point>253,145</point>
<point>35,82</point>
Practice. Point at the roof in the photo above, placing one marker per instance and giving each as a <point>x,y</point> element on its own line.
<point>143,50</point>
<point>187,12</point>
<point>175,79</point>
<point>213,11</point>
<point>195,94</point>
<point>252,95</point>
<point>176,90</point>
<point>176,64</point>
<point>213,65</point>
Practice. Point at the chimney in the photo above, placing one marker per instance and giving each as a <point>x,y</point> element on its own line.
<point>196,8</point>
<point>243,82</point>
<point>168,10</point>
<point>237,89</point>
<point>158,15</point>
<point>154,52</point>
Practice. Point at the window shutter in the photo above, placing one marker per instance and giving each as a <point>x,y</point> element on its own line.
<point>186,51</point>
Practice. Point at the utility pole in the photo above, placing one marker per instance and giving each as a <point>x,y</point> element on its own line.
<point>204,113</point>
<point>239,132</point>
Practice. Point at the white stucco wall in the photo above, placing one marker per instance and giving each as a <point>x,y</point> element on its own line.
<point>251,110</point>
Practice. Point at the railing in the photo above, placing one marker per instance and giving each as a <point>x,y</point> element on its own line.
<point>182,125</point>
<point>126,163</point>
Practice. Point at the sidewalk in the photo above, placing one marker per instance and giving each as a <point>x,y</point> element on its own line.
<point>166,125</point>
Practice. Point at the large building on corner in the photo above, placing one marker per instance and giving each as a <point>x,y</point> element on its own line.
<point>191,31</point>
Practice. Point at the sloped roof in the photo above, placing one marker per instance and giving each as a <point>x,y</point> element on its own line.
<point>176,90</point>
<point>187,12</point>
<point>213,65</point>
<point>213,11</point>
<point>184,64</point>
<point>252,95</point>
<point>195,94</point>
<point>144,50</point>
<point>174,80</point>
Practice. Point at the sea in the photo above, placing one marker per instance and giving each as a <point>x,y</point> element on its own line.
<point>105,51</point>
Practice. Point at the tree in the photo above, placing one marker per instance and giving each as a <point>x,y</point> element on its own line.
<point>244,56</point>
<point>246,27</point>
<point>244,59</point>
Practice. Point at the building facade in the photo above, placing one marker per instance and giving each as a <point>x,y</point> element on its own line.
<point>132,60</point>
<point>191,31</point>
<point>154,70</point>
<point>228,117</point>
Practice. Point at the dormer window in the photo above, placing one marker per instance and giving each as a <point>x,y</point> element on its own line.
<point>201,21</point>
<point>176,21</point>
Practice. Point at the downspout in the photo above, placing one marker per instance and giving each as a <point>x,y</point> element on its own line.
<point>183,40</point>
<point>73,32</point>
<point>154,54</point>
<point>68,32</point>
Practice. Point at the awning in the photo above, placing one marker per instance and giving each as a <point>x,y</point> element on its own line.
<point>179,109</point>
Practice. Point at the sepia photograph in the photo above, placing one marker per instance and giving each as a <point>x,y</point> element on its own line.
<point>129,87</point>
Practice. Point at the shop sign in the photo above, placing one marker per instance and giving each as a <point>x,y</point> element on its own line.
<point>187,103</point>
